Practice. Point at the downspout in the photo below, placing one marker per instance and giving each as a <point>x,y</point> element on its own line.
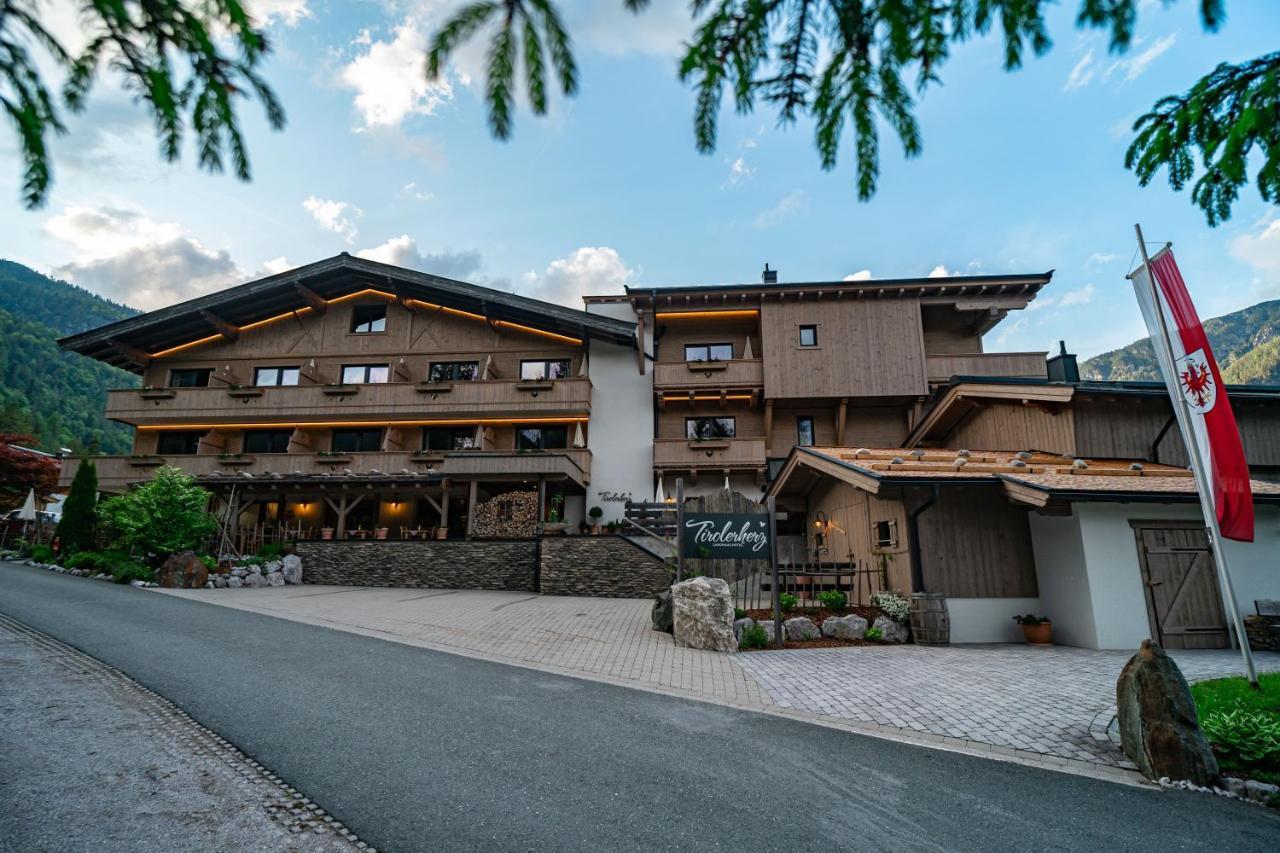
<point>1155,445</point>
<point>913,531</point>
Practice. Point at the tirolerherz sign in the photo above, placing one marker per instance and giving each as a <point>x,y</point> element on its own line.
<point>726,536</point>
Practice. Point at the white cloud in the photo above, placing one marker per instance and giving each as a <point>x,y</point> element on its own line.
<point>275,266</point>
<point>661,29</point>
<point>940,271</point>
<point>125,255</point>
<point>287,12</point>
<point>389,77</point>
<point>403,251</point>
<point>790,205</point>
<point>739,171</point>
<point>1138,65</point>
<point>1260,249</point>
<point>410,190</point>
<point>586,271</point>
<point>1081,73</point>
<point>860,275</point>
<point>333,216</point>
<point>1083,296</point>
<point>1099,259</point>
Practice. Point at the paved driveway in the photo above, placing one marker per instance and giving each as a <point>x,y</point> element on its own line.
<point>1042,706</point>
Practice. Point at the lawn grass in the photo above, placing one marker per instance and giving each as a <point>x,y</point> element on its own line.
<point>1228,694</point>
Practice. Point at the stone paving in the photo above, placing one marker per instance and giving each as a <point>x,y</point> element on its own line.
<point>1048,706</point>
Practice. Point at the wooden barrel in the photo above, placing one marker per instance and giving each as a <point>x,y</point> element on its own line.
<point>930,622</point>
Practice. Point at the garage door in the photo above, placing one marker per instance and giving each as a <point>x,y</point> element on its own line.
<point>1183,602</point>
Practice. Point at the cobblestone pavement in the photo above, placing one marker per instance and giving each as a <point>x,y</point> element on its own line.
<point>1057,701</point>
<point>1047,706</point>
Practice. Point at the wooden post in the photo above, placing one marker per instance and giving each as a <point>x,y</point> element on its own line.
<point>773,561</point>
<point>542,499</point>
<point>342,518</point>
<point>472,494</point>
<point>444,507</point>
<point>679,529</point>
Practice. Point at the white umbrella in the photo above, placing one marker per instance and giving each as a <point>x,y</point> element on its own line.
<point>28,511</point>
<point>658,496</point>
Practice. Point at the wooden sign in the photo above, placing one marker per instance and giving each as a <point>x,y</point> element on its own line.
<point>726,535</point>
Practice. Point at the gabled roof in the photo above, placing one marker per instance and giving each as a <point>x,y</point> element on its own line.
<point>956,285</point>
<point>122,342</point>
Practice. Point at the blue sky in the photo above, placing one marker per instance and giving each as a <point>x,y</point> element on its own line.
<point>1021,172</point>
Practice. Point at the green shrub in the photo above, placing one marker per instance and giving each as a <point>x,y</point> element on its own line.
<point>873,634</point>
<point>161,516</point>
<point>270,552</point>
<point>42,553</point>
<point>93,561</point>
<point>833,599</point>
<point>739,613</point>
<point>754,637</point>
<point>788,601</point>
<point>130,571</point>
<point>894,606</point>
<point>1243,739</point>
<point>78,529</point>
<point>210,562</point>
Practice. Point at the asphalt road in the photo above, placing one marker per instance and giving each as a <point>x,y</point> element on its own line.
<point>422,750</point>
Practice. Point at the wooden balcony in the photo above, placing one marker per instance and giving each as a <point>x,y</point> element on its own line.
<point>941,368</point>
<point>738,373</point>
<point>391,401</point>
<point>117,473</point>
<point>679,454</point>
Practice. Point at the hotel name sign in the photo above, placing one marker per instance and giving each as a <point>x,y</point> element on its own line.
<point>726,536</point>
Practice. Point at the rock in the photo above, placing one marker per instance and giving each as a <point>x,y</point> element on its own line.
<point>1262,792</point>
<point>1159,730</point>
<point>272,566</point>
<point>661,615</point>
<point>1234,786</point>
<point>291,565</point>
<point>234,582</point>
<point>740,626</point>
<point>208,584</point>
<point>255,569</point>
<point>890,631</point>
<point>801,628</point>
<point>239,571</point>
<point>183,570</point>
<point>137,583</point>
<point>220,582</point>
<point>275,579</point>
<point>254,580</point>
<point>851,627</point>
<point>702,615</point>
<point>767,626</point>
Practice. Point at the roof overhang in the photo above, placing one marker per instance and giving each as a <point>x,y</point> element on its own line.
<point>955,402</point>
<point>130,343</point>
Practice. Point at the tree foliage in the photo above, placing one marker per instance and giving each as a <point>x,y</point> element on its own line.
<point>78,528</point>
<point>22,470</point>
<point>851,64</point>
<point>154,519</point>
<point>187,62</point>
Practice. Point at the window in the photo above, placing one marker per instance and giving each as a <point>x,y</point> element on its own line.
<point>191,377</point>
<point>276,376</point>
<point>886,535</point>
<point>808,336</point>
<point>708,352</point>
<point>551,369</point>
<point>365,374</point>
<point>178,443</point>
<point>356,441</point>
<point>368,319</point>
<point>453,371</point>
<point>267,441</point>
<point>449,438</point>
<point>804,431</point>
<point>542,438</point>
<point>701,429</point>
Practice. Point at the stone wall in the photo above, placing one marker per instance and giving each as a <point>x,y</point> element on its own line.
<point>435,564</point>
<point>607,566</point>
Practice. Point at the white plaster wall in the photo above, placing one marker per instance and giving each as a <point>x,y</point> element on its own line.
<point>988,620</point>
<point>620,434</point>
<point>1063,579</point>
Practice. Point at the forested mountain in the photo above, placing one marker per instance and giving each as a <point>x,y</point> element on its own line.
<point>56,396</point>
<point>1246,344</point>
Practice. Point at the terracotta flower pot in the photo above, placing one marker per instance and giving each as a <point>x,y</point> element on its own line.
<point>1038,635</point>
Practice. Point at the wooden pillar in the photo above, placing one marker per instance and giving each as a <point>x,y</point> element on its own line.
<point>472,495</point>
<point>542,499</point>
<point>444,504</point>
<point>341,509</point>
<point>841,413</point>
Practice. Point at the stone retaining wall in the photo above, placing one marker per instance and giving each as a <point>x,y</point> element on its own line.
<point>607,566</point>
<point>436,564</point>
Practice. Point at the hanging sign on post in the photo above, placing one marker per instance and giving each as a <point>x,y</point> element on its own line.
<point>726,536</point>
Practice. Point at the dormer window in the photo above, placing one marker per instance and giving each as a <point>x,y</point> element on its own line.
<point>368,319</point>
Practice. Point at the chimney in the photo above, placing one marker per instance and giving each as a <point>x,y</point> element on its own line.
<point>769,276</point>
<point>1062,367</point>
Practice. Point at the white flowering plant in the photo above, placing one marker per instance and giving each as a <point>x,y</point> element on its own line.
<point>894,606</point>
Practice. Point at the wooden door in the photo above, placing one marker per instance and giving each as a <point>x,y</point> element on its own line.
<point>1184,604</point>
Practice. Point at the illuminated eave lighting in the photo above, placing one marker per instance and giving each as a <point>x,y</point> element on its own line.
<point>331,424</point>
<point>735,314</point>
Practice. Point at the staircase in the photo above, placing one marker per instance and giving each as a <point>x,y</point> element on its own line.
<point>651,526</point>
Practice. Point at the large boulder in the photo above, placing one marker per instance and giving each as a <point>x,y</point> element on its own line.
<point>234,582</point>
<point>661,615</point>
<point>851,627</point>
<point>890,630</point>
<point>275,579</point>
<point>702,615</point>
<point>291,566</point>
<point>801,628</point>
<point>1159,730</point>
<point>254,579</point>
<point>767,626</point>
<point>183,570</point>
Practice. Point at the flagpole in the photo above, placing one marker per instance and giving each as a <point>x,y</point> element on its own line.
<point>1203,483</point>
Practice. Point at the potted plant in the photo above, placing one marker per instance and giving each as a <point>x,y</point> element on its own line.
<point>595,513</point>
<point>326,532</point>
<point>1038,630</point>
<point>583,527</point>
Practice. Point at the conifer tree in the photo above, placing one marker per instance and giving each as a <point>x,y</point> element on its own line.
<point>78,529</point>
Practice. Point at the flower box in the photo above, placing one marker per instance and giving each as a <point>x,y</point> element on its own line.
<point>333,458</point>
<point>244,393</point>
<point>433,387</point>
<point>157,393</point>
<point>146,461</point>
<point>341,390</point>
<point>237,459</point>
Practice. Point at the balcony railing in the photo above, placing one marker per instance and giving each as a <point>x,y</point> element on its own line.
<point>391,400</point>
<point>1022,364</point>
<point>683,454</point>
<point>735,373</point>
<point>117,473</point>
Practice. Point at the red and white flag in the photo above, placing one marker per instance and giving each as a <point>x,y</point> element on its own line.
<point>1207,421</point>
